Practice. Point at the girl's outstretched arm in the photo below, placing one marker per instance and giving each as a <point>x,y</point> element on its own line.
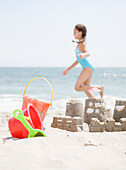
<point>69,68</point>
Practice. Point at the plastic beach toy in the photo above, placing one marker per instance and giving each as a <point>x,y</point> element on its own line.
<point>41,106</point>
<point>94,89</point>
<point>18,130</point>
<point>32,132</point>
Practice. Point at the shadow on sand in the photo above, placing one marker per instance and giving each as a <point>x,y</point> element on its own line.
<point>9,138</point>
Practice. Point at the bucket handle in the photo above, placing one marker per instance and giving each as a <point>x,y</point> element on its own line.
<point>43,79</point>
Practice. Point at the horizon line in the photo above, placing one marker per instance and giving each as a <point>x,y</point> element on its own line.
<point>58,67</point>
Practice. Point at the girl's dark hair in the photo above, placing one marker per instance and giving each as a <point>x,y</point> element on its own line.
<point>81,28</point>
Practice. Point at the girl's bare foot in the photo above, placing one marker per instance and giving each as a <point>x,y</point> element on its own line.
<point>102,91</point>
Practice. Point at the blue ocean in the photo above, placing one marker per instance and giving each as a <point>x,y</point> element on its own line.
<point>13,81</point>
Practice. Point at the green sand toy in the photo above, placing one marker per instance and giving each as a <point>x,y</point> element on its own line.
<point>32,132</point>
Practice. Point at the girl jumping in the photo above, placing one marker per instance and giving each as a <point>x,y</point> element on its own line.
<point>82,55</point>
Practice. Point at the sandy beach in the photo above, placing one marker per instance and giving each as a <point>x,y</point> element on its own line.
<point>62,149</point>
<point>54,52</point>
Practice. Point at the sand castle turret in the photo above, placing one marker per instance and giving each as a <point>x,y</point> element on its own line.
<point>119,110</point>
<point>74,108</point>
<point>96,108</point>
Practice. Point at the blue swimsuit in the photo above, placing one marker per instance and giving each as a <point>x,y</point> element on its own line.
<point>85,62</point>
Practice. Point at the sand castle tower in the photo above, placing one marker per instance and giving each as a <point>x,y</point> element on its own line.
<point>119,110</point>
<point>96,108</point>
<point>74,108</point>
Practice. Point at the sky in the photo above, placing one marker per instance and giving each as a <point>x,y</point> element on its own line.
<point>39,33</point>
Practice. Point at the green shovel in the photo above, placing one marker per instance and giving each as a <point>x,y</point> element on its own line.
<point>32,132</point>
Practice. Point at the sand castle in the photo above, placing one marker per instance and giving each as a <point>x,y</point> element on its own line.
<point>95,114</point>
<point>67,123</point>
<point>96,108</point>
<point>110,125</point>
<point>73,119</point>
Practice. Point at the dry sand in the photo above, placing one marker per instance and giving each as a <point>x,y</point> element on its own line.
<point>62,149</point>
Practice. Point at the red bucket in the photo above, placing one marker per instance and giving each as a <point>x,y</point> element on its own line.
<point>41,106</point>
<point>18,130</point>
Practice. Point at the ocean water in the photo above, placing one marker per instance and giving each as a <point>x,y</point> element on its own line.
<point>14,80</point>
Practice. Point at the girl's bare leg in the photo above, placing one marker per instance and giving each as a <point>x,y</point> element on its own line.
<point>84,81</point>
<point>87,83</point>
<point>85,78</point>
